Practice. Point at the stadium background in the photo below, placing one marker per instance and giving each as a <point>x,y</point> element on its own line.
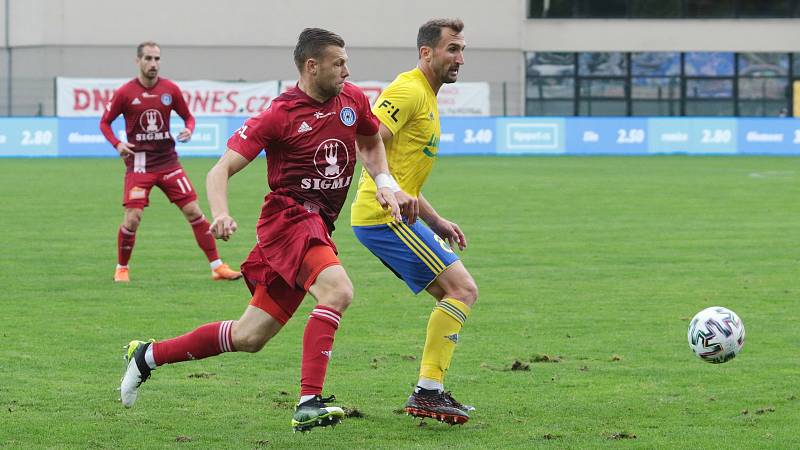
<point>589,268</point>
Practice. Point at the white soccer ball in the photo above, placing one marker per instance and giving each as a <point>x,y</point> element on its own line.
<point>716,334</point>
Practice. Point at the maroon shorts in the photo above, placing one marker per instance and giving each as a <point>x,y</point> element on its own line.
<point>280,300</point>
<point>293,248</point>
<point>174,182</point>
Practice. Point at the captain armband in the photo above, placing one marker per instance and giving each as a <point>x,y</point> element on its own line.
<point>384,180</point>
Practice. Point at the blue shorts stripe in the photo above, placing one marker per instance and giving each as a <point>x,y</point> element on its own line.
<point>423,245</point>
<point>419,248</point>
<point>413,252</point>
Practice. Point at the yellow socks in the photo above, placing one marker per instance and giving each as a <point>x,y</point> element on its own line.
<point>443,326</point>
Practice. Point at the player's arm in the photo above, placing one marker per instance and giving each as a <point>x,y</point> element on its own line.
<point>447,230</point>
<point>188,119</point>
<point>113,110</point>
<point>231,162</point>
<point>373,157</point>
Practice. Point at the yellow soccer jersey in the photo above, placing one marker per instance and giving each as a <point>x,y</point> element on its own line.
<point>408,108</point>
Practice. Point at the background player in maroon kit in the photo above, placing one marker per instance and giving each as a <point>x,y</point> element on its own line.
<point>150,158</point>
<point>310,134</point>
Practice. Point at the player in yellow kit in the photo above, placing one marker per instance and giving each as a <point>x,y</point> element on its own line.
<point>421,253</point>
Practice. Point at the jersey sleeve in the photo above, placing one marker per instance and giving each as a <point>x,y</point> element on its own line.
<point>113,110</point>
<point>395,106</point>
<point>368,125</point>
<point>254,135</point>
<point>180,106</point>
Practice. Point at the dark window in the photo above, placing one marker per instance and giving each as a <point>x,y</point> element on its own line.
<point>655,63</point>
<point>709,107</point>
<point>602,63</point>
<point>767,88</point>
<point>550,64</point>
<point>708,64</point>
<point>656,88</point>
<point>550,108</point>
<point>603,9</point>
<point>655,108</point>
<point>763,108</point>
<point>602,87</point>
<point>709,88</point>
<point>602,107</point>
<point>550,87</point>
<point>763,64</point>
<point>655,83</point>
<point>765,8</point>
<point>543,9</point>
<point>710,8</point>
<point>656,9</point>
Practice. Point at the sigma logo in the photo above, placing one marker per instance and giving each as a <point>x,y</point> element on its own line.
<point>331,160</point>
<point>151,121</point>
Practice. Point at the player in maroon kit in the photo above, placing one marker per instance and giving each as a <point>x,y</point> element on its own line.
<point>150,158</point>
<point>310,134</point>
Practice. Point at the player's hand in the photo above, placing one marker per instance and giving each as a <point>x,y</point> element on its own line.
<point>409,206</point>
<point>125,150</point>
<point>185,135</point>
<point>450,232</point>
<point>388,201</point>
<point>223,227</point>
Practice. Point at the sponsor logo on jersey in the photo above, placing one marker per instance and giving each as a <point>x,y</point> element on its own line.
<point>391,110</point>
<point>136,101</point>
<point>304,127</point>
<point>320,114</point>
<point>348,116</point>
<point>330,160</point>
<point>148,95</point>
<point>152,123</point>
<point>166,99</point>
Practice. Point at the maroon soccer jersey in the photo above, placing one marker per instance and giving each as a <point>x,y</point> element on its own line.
<point>311,148</point>
<point>147,113</point>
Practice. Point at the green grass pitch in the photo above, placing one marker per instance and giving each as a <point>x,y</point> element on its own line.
<point>589,270</point>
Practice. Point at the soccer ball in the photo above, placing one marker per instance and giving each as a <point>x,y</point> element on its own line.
<point>716,334</point>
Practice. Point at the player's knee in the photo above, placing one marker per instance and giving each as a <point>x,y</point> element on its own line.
<point>468,292</point>
<point>248,340</point>
<point>132,220</point>
<point>192,211</point>
<point>338,297</point>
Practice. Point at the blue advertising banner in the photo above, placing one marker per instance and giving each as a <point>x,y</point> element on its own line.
<point>692,135</point>
<point>467,136</point>
<point>530,135</point>
<point>606,136</point>
<point>81,136</point>
<point>209,138</point>
<point>769,137</point>
<point>30,137</point>
<point>68,137</point>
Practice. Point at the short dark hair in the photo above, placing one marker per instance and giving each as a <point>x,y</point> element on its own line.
<point>431,31</point>
<point>140,48</point>
<point>312,42</point>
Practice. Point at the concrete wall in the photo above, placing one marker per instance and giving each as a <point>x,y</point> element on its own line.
<point>253,40</point>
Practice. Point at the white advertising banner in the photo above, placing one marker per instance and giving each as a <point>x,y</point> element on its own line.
<point>87,97</point>
<point>457,99</point>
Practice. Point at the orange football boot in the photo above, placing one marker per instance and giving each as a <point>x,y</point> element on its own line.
<point>224,272</point>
